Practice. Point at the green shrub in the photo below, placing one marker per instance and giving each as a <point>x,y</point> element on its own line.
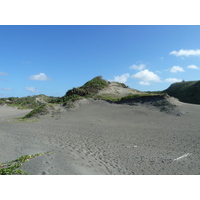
<point>96,84</point>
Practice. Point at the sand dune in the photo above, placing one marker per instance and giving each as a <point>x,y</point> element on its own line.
<point>97,137</point>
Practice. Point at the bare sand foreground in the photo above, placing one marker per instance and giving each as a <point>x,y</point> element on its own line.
<point>102,138</point>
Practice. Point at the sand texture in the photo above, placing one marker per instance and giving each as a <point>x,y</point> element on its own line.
<point>97,137</point>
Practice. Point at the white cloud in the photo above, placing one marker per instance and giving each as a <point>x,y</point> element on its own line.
<point>176,69</point>
<point>32,89</point>
<point>145,76</point>
<point>39,77</point>
<point>193,67</point>
<point>122,79</point>
<point>182,52</point>
<point>3,74</point>
<point>172,80</point>
<point>144,83</point>
<point>138,67</point>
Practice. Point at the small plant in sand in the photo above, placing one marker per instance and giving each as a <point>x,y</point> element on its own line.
<point>11,168</point>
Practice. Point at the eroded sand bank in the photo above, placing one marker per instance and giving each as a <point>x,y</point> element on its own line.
<point>103,138</point>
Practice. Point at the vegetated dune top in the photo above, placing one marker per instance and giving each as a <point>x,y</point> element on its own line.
<point>116,89</point>
<point>185,91</point>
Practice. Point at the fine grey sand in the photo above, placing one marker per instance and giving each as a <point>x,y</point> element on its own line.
<point>97,137</point>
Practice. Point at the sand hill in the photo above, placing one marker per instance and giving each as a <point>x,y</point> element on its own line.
<point>150,135</point>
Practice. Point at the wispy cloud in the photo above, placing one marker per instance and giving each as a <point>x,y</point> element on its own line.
<point>146,77</point>
<point>39,77</point>
<point>3,96</point>
<point>193,67</point>
<point>7,89</point>
<point>176,69</point>
<point>182,52</point>
<point>3,74</point>
<point>122,79</point>
<point>138,67</point>
<point>172,80</point>
<point>32,89</point>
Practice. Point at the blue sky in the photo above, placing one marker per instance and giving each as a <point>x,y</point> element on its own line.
<point>53,59</point>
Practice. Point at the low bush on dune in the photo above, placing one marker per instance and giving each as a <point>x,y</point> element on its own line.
<point>134,96</point>
<point>109,98</point>
<point>94,85</point>
<point>89,89</point>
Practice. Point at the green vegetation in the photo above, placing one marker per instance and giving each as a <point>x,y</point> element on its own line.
<point>29,102</point>
<point>11,168</point>
<point>154,92</point>
<point>140,95</point>
<point>21,103</point>
<point>111,98</point>
<point>131,97</point>
<point>185,91</point>
<point>94,85</point>
<point>89,89</point>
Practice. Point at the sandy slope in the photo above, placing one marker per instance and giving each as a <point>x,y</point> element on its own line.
<point>102,138</point>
